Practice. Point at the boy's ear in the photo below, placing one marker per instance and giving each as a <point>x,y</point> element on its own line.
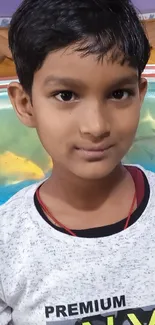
<point>21,103</point>
<point>142,89</point>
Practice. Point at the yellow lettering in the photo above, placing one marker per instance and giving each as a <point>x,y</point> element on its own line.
<point>134,320</point>
<point>110,320</point>
<point>132,317</point>
<point>152,320</point>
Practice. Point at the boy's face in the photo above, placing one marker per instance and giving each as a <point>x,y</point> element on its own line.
<point>86,112</point>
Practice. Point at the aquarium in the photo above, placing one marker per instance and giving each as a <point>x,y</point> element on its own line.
<point>23,161</point>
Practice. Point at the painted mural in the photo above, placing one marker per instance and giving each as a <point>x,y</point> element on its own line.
<point>23,160</point>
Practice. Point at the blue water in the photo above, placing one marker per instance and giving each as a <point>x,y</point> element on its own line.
<point>6,192</point>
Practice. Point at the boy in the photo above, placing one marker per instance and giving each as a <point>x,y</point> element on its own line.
<point>79,248</point>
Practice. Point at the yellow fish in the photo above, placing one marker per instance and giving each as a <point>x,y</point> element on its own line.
<point>18,169</point>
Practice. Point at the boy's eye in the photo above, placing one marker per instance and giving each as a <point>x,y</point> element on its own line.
<point>120,94</point>
<point>65,96</point>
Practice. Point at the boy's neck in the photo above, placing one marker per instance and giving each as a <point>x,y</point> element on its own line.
<point>83,194</point>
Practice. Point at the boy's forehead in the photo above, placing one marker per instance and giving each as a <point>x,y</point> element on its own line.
<point>66,66</point>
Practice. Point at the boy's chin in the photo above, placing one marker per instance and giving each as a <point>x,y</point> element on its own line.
<point>94,172</point>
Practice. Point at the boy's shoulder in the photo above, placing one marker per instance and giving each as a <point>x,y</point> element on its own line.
<point>149,175</point>
<point>14,210</point>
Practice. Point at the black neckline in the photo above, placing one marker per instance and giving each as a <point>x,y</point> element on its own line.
<point>105,230</point>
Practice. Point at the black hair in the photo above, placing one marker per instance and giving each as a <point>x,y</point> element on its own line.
<point>97,27</point>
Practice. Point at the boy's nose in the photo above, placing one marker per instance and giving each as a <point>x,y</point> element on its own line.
<point>94,122</point>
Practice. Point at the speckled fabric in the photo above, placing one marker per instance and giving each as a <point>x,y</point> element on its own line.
<point>50,278</point>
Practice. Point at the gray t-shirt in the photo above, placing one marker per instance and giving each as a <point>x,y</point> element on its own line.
<point>50,278</point>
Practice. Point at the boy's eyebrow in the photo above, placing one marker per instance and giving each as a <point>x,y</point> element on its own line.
<point>127,80</point>
<point>63,81</point>
<point>121,81</point>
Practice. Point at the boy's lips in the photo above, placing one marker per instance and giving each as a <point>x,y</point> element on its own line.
<point>94,153</point>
